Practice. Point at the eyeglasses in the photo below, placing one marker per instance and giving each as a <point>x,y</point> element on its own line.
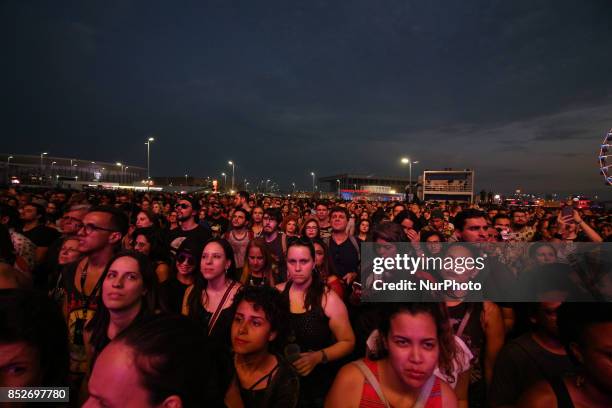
<point>182,205</point>
<point>181,258</point>
<point>89,228</point>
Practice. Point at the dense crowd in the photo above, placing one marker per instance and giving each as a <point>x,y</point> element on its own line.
<point>203,300</point>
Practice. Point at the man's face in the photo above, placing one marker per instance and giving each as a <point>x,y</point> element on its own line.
<point>322,212</point>
<point>258,215</point>
<point>503,223</point>
<point>519,219</point>
<point>397,209</point>
<point>145,205</point>
<point>475,230</point>
<point>269,224</point>
<point>237,200</point>
<point>115,380</point>
<point>546,318</point>
<point>437,223</point>
<point>216,210</point>
<point>28,213</point>
<point>339,221</point>
<point>71,222</point>
<point>184,210</point>
<point>238,219</point>
<point>98,238</point>
<point>19,365</point>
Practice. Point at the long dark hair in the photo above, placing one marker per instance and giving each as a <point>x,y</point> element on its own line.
<point>198,293</point>
<point>328,269</point>
<point>159,249</point>
<point>315,291</point>
<point>149,304</point>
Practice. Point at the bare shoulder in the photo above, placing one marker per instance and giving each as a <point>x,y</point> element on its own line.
<point>449,399</point>
<point>539,395</point>
<point>281,286</point>
<point>332,303</point>
<point>346,390</point>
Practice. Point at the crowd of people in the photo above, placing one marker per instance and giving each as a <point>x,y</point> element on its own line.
<point>203,300</point>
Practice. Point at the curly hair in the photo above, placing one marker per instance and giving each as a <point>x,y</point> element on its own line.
<point>444,331</point>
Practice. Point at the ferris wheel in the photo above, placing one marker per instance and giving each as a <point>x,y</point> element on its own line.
<point>605,159</point>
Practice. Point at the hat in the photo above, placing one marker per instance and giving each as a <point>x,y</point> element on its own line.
<point>437,214</point>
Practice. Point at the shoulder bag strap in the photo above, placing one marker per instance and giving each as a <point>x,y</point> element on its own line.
<point>425,391</point>
<point>372,380</point>
<point>215,316</point>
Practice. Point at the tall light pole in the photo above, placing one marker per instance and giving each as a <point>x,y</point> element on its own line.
<point>231,163</point>
<point>266,188</point>
<point>148,143</point>
<point>246,186</point>
<point>406,160</point>
<point>8,168</point>
<point>338,181</point>
<point>313,181</point>
<point>42,168</point>
<point>124,174</point>
<point>186,175</point>
<point>293,185</point>
<point>121,175</point>
<point>224,181</point>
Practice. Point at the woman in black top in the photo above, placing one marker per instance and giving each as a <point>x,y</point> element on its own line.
<point>259,329</point>
<point>210,298</point>
<point>128,293</point>
<point>182,274</point>
<point>319,324</point>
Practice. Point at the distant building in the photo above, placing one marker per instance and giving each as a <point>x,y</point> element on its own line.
<point>51,170</point>
<point>448,185</point>
<point>370,187</point>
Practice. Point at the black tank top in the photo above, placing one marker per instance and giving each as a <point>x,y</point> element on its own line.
<point>311,328</point>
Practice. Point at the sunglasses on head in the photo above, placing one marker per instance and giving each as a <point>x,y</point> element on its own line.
<point>183,206</point>
<point>182,257</point>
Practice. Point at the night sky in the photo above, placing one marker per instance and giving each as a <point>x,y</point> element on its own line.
<point>521,91</point>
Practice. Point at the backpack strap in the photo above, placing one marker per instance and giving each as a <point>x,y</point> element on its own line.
<point>356,245</point>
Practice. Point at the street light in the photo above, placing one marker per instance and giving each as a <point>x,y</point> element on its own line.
<point>246,186</point>
<point>409,162</point>
<point>338,181</point>
<point>121,175</point>
<point>231,163</point>
<point>293,185</point>
<point>186,179</point>
<point>148,143</point>
<point>224,181</point>
<point>266,188</point>
<point>313,181</point>
<point>42,168</point>
<point>8,167</point>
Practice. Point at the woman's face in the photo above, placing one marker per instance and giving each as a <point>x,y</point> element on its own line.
<point>19,365</point>
<point>69,252</point>
<point>364,215</point>
<point>433,244</point>
<point>142,220</point>
<point>142,245</point>
<point>545,255</point>
<point>319,255</point>
<point>364,227</point>
<point>251,330</point>
<point>300,264</point>
<point>172,216</point>
<point>461,272</point>
<point>156,208</point>
<point>123,286</point>
<point>291,227</point>
<point>214,263</point>
<point>385,249</point>
<point>255,259</point>
<point>311,230</point>
<point>185,263</point>
<point>413,347</point>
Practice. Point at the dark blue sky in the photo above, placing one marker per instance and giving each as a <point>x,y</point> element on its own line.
<point>521,91</point>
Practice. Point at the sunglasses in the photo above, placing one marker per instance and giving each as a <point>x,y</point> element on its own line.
<point>183,206</point>
<point>182,257</point>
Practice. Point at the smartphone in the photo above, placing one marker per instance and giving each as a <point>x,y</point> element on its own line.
<point>567,212</point>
